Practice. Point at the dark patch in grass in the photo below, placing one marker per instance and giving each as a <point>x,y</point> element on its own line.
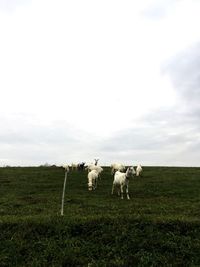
<point>5,182</point>
<point>17,205</point>
<point>33,200</point>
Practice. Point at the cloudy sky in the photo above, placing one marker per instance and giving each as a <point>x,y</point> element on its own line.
<point>113,79</point>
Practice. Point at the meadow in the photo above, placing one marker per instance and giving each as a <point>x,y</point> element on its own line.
<point>158,226</point>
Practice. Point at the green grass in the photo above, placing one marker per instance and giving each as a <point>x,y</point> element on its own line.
<point>159,226</point>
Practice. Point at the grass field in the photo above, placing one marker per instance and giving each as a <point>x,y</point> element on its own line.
<point>159,226</point>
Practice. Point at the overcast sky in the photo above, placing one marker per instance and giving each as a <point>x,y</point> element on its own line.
<point>117,80</point>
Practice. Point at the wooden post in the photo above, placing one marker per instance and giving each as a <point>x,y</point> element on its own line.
<point>63,195</point>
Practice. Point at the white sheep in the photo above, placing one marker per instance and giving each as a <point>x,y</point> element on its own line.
<point>99,169</point>
<point>74,166</point>
<point>138,170</point>
<point>66,167</point>
<point>117,167</point>
<point>91,167</point>
<point>92,180</point>
<point>121,179</point>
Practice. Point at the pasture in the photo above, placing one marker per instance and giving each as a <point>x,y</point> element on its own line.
<point>158,226</point>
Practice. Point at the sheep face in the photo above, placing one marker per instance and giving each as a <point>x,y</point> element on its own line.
<point>90,186</point>
<point>130,172</point>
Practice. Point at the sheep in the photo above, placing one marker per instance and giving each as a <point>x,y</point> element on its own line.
<point>99,169</point>
<point>138,170</point>
<point>92,180</point>
<point>117,167</point>
<point>91,167</point>
<point>74,166</point>
<point>121,180</point>
<point>80,166</point>
<point>66,167</point>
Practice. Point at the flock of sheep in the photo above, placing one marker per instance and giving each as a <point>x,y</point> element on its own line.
<point>121,175</point>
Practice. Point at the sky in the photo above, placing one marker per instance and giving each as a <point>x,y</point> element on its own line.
<point>111,79</point>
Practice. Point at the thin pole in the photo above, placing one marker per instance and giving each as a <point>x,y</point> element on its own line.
<point>63,194</point>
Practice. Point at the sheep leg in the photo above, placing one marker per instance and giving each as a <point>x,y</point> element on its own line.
<point>127,194</point>
<point>93,184</point>
<point>118,191</point>
<point>122,197</point>
<point>112,189</point>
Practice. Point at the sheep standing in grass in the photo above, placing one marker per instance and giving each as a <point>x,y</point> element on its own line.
<point>74,166</point>
<point>117,167</point>
<point>66,167</point>
<point>121,180</point>
<point>81,166</point>
<point>138,170</point>
<point>92,180</point>
<point>91,167</point>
